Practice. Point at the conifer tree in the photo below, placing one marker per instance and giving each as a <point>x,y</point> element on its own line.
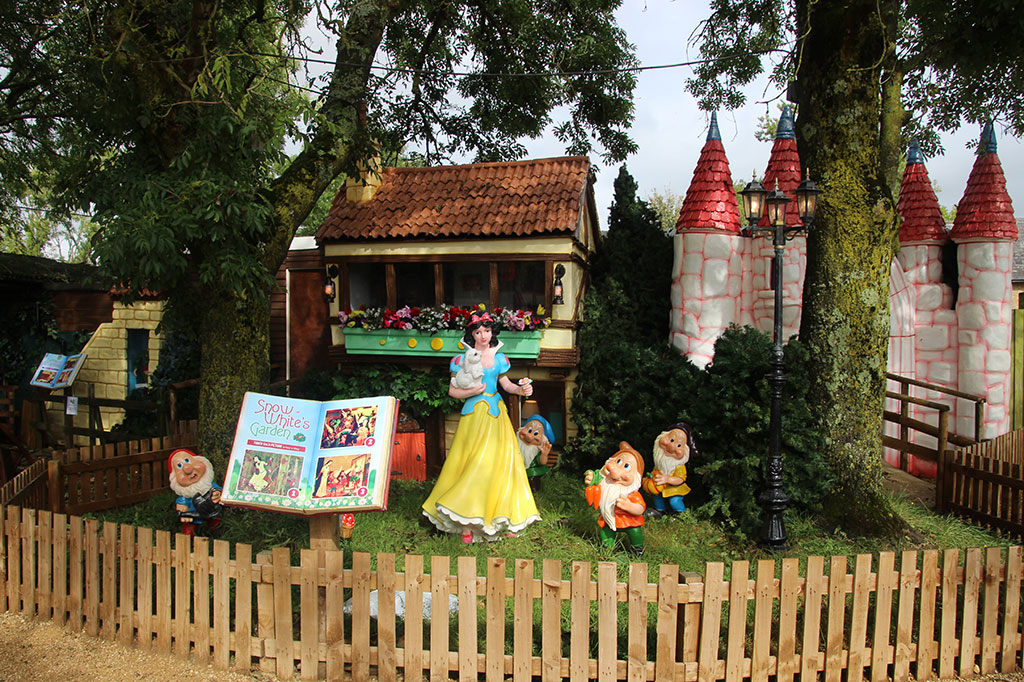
<point>636,253</point>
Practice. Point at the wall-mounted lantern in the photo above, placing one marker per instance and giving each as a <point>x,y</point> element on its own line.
<point>556,289</point>
<point>330,288</point>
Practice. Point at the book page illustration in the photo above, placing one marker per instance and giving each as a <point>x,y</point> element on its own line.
<point>349,426</point>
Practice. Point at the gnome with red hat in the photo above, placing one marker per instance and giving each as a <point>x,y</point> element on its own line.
<point>614,491</point>
<point>198,502</point>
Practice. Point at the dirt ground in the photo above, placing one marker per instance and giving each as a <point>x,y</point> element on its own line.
<point>37,651</point>
<point>917,489</point>
<point>40,651</point>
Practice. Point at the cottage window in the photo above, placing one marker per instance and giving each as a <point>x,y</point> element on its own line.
<point>367,285</point>
<point>521,284</point>
<point>138,359</point>
<point>463,283</point>
<point>414,284</point>
<point>466,284</point>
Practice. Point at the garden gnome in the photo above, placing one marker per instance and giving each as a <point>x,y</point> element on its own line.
<point>614,490</point>
<point>535,438</point>
<point>198,502</point>
<point>666,484</point>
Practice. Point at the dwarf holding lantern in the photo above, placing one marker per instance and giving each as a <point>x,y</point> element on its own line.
<point>198,502</point>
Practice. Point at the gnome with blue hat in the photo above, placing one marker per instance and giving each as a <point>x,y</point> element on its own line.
<point>535,438</point>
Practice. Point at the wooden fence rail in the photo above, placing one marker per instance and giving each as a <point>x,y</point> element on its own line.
<point>918,615</point>
<point>986,483</point>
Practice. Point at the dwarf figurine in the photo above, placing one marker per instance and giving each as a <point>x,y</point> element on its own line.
<point>614,491</point>
<point>198,502</point>
<point>535,438</point>
<point>666,484</point>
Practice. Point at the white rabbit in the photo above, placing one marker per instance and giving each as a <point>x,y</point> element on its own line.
<point>471,372</point>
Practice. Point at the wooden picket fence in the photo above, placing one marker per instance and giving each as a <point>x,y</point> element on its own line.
<point>27,489</point>
<point>986,482</point>
<point>88,479</point>
<point>938,613</point>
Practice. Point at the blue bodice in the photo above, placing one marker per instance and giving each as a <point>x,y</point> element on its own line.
<point>491,374</point>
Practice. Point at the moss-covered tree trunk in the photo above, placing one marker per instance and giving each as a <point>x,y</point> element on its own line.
<point>235,343</point>
<point>846,295</point>
<point>236,334</point>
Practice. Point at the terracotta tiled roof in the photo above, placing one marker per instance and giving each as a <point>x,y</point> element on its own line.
<point>784,167</point>
<point>918,205</point>
<point>538,196</point>
<point>985,211</point>
<point>710,202</point>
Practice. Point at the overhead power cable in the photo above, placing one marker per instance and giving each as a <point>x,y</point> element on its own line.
<point>525,74</point>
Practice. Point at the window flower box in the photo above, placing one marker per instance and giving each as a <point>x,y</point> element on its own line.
<point>445,343</point>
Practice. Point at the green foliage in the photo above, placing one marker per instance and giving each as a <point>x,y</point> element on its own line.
<point>315,384</point>
<point>169,120</point>
<point>420,392</point>
<point>637,253</point>
<point>627,390</point>
<point>632,392</point>
<point>666,205</point>
<point>733,40</point>
<point>28,331</point>
<point>730,405</point>
<point>967,66</point>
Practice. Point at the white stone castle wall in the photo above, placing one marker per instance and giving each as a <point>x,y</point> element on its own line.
<point>706,290</point>
<point>721,279</point>
<point>983,315</point>
<point>794,268</point>
<point>935,338</point>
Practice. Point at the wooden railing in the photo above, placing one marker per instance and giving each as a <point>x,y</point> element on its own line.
<point>891,618</point>
<point>944,437</point>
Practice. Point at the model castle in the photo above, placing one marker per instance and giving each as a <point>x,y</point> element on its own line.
<point>950,290</point>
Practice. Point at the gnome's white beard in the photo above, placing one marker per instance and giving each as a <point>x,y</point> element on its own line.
<point>610,493</point>
<point>201,486</point>
<point>664,463</point>
<point>530,452</point>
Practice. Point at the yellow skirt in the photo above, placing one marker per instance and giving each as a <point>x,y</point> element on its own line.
<point>483,485</point>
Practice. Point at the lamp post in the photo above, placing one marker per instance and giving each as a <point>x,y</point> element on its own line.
<point>755,200</point>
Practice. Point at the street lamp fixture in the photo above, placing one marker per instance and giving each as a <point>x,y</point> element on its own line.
<point>753,200</point>
<point>773,498</point>
<point>807,200</point>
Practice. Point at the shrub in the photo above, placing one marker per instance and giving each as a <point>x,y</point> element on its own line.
<point>626,389</point>
<point>420,392</point>
<point>731,413</point>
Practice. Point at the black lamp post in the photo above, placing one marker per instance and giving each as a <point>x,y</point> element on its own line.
<point>755,199</point>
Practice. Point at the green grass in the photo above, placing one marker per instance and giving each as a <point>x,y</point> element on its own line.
<point>567,532</point>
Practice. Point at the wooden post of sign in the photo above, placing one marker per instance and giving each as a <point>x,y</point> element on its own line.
<point>324,531</point>
<point>324,534</point>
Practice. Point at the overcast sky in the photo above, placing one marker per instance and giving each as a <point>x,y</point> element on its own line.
<point>670,130</point>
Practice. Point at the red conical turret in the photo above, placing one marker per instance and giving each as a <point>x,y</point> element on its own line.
<point>784,165</point>
<point>710,202</point>
<point>985,212</point>
<point>918,205</point>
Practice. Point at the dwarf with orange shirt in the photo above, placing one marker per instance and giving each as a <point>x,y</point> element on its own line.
<point>614,491</point>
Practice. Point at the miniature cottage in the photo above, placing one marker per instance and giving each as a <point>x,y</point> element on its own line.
<point>514,235</point>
